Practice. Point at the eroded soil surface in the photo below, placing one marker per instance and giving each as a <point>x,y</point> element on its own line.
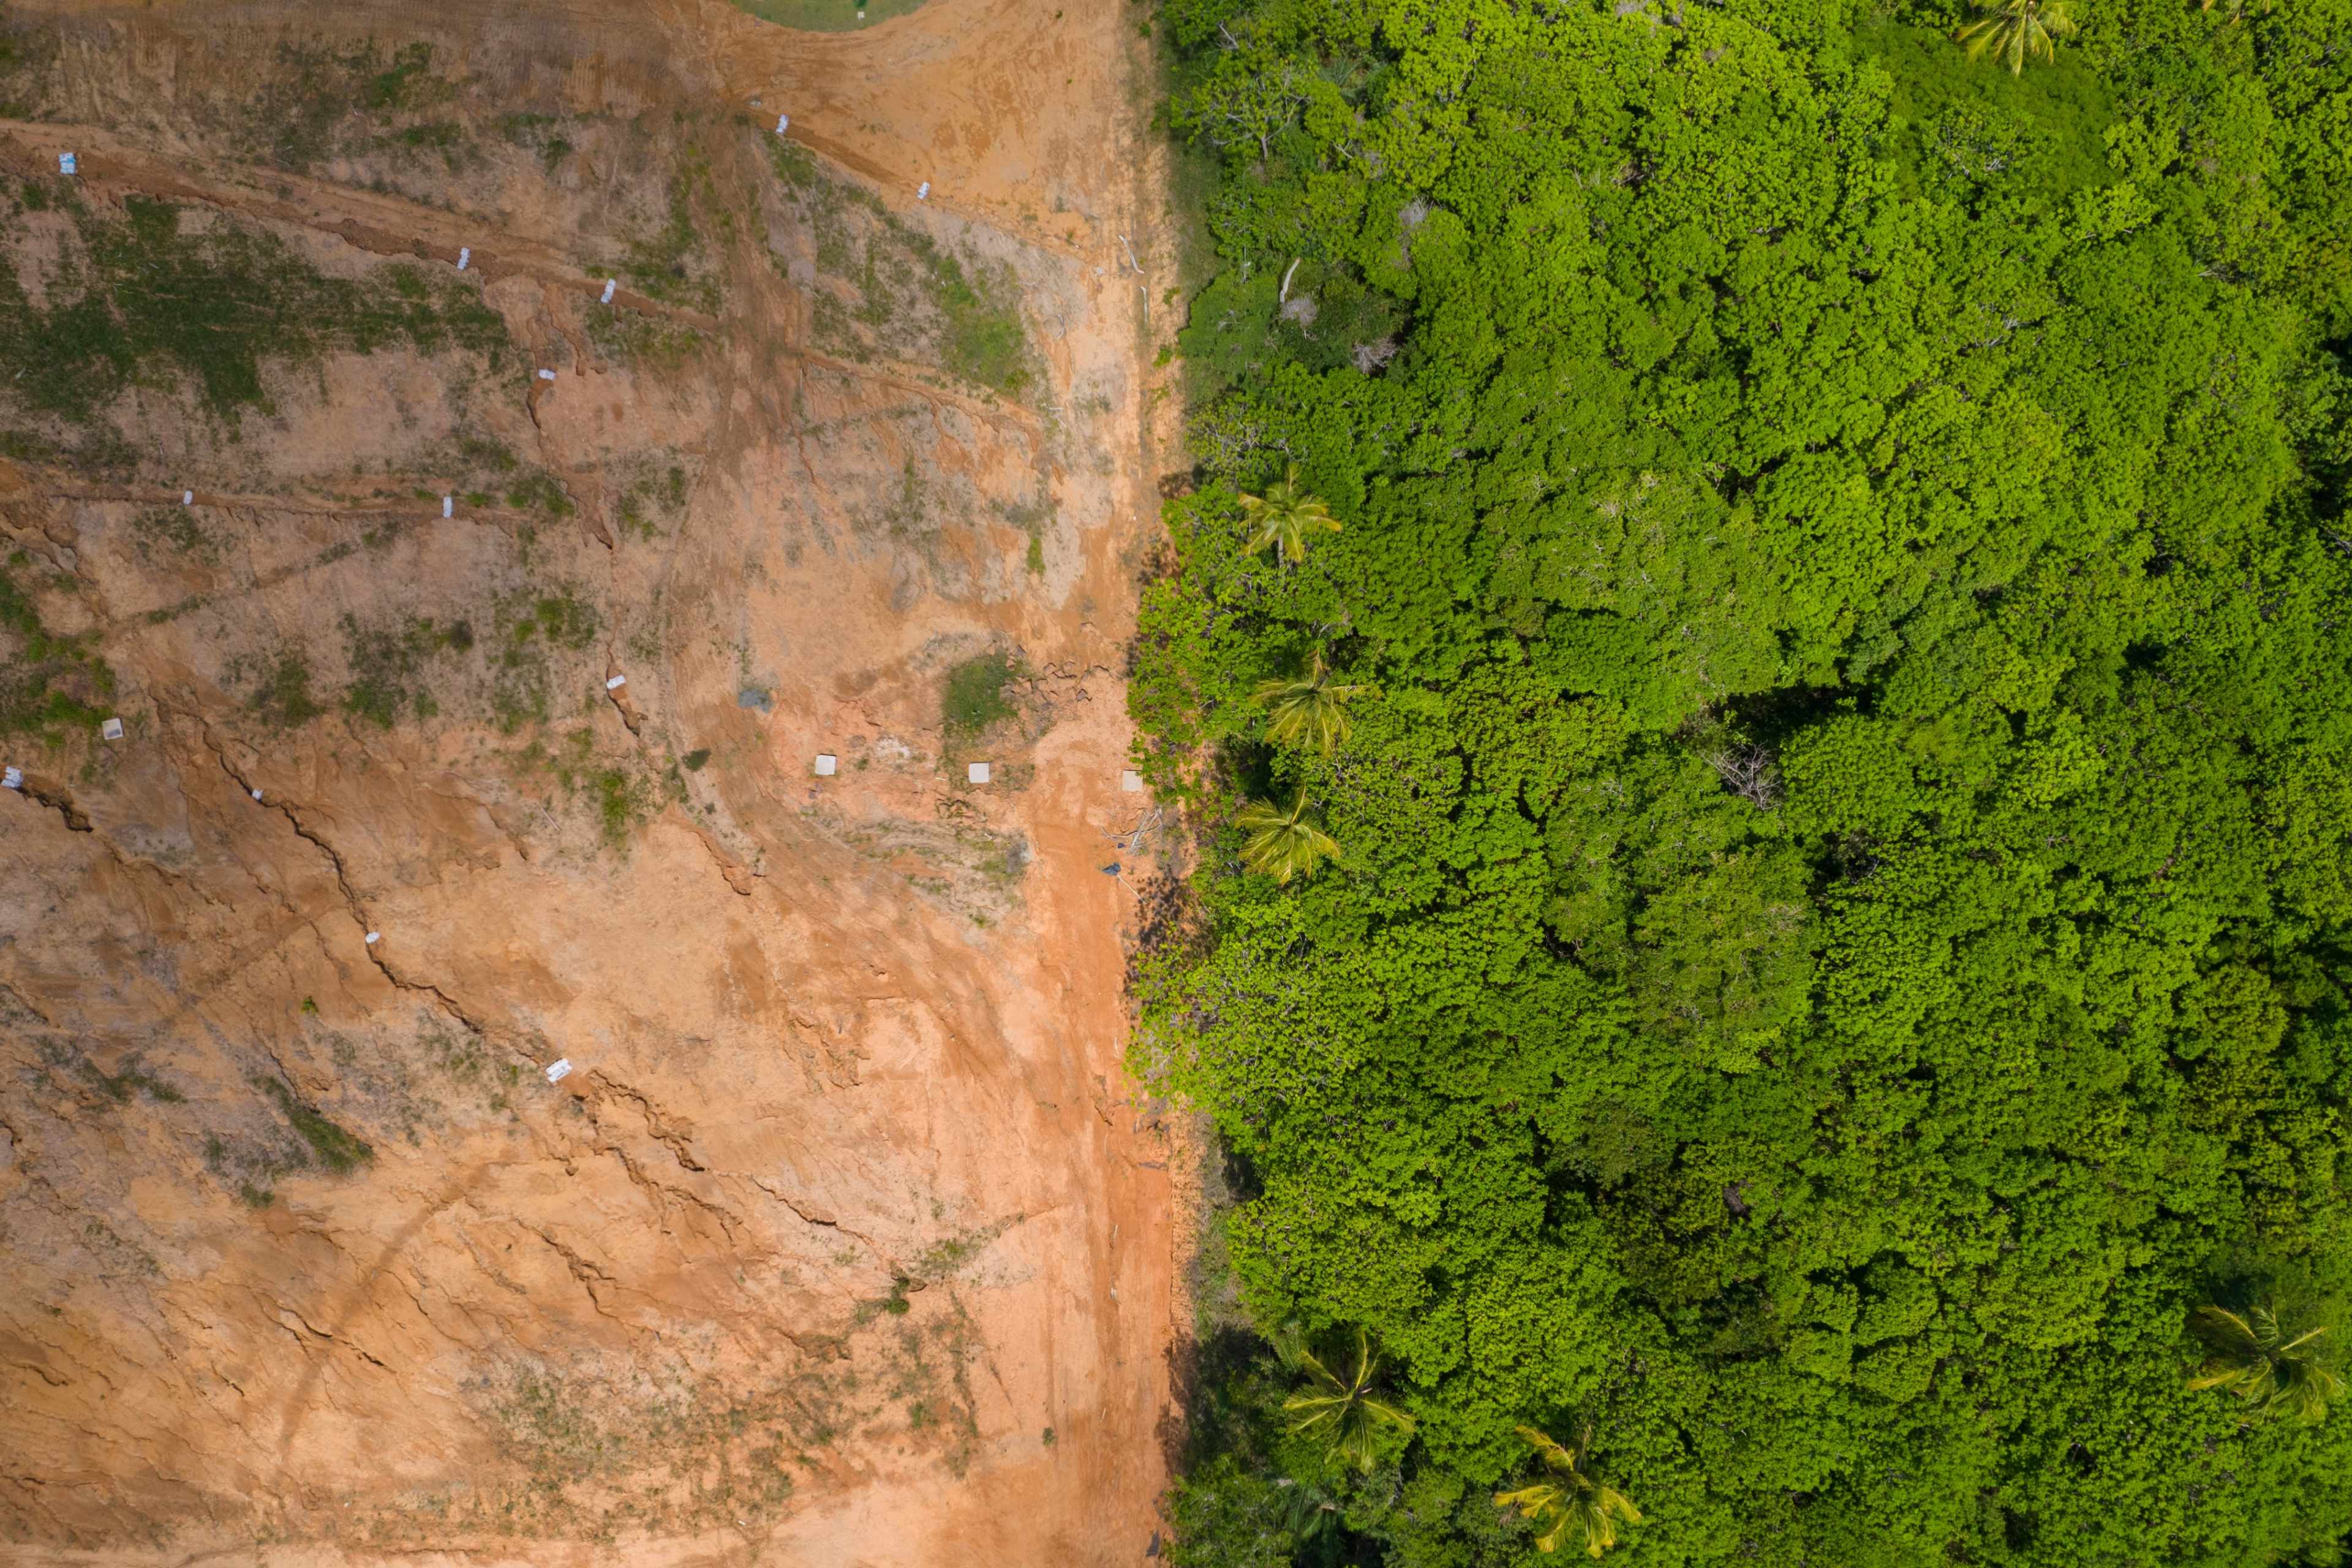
<point>845,1240</point>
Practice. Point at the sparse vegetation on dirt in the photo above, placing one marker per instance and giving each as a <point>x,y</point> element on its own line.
<point>48,684</point>
<point>422,699</point>
<point>172,530</point>
<point>386,665</point>
<point>319,103</point>
<point>540,492</point>
<point>973,695</point>
<point>654,495</point>
<point>166,295</point>
<point>25,53</point>
<point>281,695</point>
<point>895,290</point>
<point>670,264</point>
<point>332,1146</point>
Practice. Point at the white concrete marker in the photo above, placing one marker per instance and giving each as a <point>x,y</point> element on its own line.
<point>547,375</point>
<point>617,682</point>
<point>559,1070</point>
<point>783,123</point>
<point>465,256</point>
<point>827,764</point>
<point>978,772</point>
<point>68,163</point>
<point>111,730</point>
<point>923,191</point>
<point>13,778</point>
<point>1131,782</point>
<point>257,795</point>
<point>187,498</point>
<point>374,936</point>
<point>448,506</point>
<point>610,284</point>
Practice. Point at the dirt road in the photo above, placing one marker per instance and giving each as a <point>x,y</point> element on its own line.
<point>843,1239</point>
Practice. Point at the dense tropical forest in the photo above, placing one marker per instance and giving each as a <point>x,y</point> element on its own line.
<point>1762,639</point>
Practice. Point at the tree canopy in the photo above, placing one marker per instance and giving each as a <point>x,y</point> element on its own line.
<point>1829,929</point>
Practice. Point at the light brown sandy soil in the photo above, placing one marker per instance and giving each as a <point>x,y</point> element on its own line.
<point>826,1034</point>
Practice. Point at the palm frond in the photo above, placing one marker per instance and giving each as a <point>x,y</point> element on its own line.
<point>1284,516</point>
<point>1344,1411</point>
<point>1283,843</point>
<point>1570,1499</point>
<point>2256,1360</point>
<point>1308,709</point>
<point>2013,31</point>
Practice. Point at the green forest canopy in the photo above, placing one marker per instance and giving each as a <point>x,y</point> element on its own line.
<point>1839,936</point>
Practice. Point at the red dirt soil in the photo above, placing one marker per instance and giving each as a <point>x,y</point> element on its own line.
<point>847,1241</point>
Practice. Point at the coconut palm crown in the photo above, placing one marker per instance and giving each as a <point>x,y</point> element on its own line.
<point>1307,709</point>
<point>2013,31</point>
<point>1283,843</point>
<point>1344,1410</point>
<point>1284,516</point>
<point>2263,1364</point>
<point>1568,1499</point>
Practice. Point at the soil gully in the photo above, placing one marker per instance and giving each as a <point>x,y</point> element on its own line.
<point>837,1245</point>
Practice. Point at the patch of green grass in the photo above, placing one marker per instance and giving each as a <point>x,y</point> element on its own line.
<point>527,628</point>
<point>131,1080</point>
<point>825,16</point>
<point>173,530</point>
<point>48,684</point>
<point>562,619</point>
<point>480,454</point>
<point>668,265</point>
<point>91,453</point>
<point>985,341</point>
<point>912,291</point>
<point>653,496</point>
<point>302,113</point>
<point>408,83</point>
<point>338,1149</point>
<point>537,132</point>
<point>385,663</point>
<point>632,337</point>
<point>25,54</point>
<point>621,805</point>
<point>283,697</point>
<point>974,695</point>
<point>542,492</point>
<point>140,298</point>
<point>118,1086</point>
<point>439,136</point>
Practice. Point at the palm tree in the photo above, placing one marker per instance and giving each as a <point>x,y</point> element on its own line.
<point>2011,31</point>
<point>1346,1409</point>
<point>1569,1497</point>
<point>1283,843</point>
<point>1284,516</point>
<point>2254,1359</point>
<point>1305,709</point>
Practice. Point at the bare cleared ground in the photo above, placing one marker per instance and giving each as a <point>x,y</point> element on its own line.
<point>845,1240</point>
